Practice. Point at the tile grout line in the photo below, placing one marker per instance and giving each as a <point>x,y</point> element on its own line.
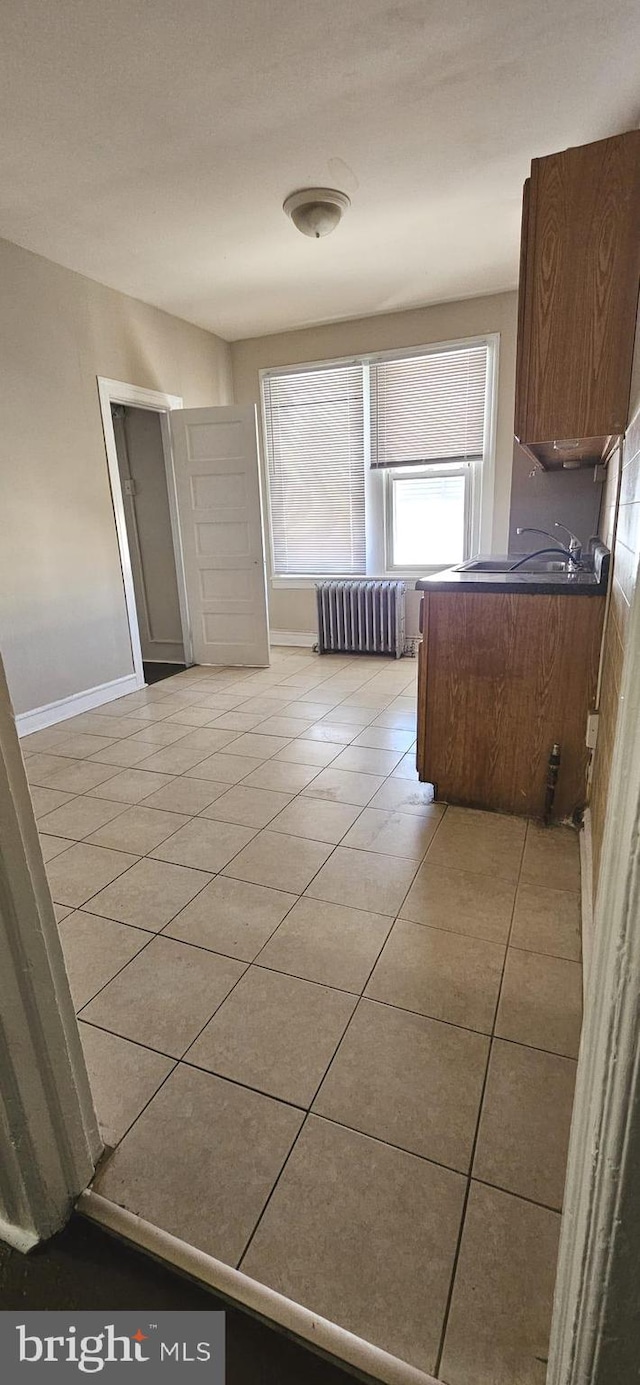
<point>110,1150</point>
<point>362,809</point>
<point>272,1191</point>
<point>297,1137</point>
<point>157,933</point>
<point>140,764</point>
<point>195,816</point>
<point>81,909</point>
<point>467,1194</point>
<point>360,998</point>
<point>176,1061</point>
<point>370,719</point>
<point>294,976</point>
<point>308,1112</point>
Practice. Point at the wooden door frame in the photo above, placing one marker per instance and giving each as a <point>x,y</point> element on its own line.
<point>118,392</point>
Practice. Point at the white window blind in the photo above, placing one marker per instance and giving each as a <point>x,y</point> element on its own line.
<point>429,408</point>
<point>314,424</point>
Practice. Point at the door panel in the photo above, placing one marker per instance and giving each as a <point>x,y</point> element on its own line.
<point>218,485</point>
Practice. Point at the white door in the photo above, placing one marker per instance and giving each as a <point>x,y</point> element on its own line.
<point>219,504</point>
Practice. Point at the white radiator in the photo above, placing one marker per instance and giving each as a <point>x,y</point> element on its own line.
<point>361,617</point>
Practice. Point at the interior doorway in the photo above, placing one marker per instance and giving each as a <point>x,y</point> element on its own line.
<point>215,510</point>
<point>137,439</point>
<point>143,481</point>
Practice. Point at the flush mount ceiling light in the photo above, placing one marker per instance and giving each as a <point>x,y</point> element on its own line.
<point>316,211</point>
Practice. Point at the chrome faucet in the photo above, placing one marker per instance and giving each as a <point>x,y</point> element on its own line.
<point>575,546</point>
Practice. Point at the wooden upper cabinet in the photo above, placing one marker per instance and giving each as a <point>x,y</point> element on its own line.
<point>579,279</point>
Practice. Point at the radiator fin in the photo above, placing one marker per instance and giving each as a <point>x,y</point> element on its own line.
<point>361,617</point>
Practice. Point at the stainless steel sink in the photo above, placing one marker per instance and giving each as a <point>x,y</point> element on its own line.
<point>507,563</point>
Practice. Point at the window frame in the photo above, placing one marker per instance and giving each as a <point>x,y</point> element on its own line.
<point>479,528</point>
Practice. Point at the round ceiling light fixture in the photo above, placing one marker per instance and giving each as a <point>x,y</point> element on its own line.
<point>316,211</point>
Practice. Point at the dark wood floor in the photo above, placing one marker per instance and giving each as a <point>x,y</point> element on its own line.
<point>84,1267</point>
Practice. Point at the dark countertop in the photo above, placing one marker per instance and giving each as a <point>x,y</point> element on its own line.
<point>588,581</point>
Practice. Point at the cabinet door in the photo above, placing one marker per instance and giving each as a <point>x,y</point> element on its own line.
<point>507,676</point>
<point>578,297</point>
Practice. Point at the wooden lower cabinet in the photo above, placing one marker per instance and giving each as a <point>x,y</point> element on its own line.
<point>501,678</point>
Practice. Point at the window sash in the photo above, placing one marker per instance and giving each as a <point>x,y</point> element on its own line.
<point>429,408</point>
<point>405,475</point>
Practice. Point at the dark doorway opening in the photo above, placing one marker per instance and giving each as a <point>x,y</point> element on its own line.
<point>154,673</point>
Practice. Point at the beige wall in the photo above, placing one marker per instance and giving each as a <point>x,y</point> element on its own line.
<point>295,610</point>
<point>63,626</point>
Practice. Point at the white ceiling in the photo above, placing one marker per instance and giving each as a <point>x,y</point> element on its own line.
<point>150,143</point>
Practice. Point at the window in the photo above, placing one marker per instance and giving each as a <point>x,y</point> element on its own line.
<point>427,518</point>
<point>314,424</point>
<point>379,465</point>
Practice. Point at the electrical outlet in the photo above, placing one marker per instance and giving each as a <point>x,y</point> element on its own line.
<point>592,730</point>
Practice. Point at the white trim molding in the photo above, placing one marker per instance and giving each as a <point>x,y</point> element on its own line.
<point>324,1337</point>
<point>72,706</point>
<point>49,1141</point>
<point>305,639</point>
<point>595,1334</point>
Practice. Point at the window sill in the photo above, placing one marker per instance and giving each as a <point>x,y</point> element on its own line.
<point>291,582</point>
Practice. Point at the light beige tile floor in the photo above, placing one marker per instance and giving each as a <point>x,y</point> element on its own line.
<point>273,932</point>
<point>150,894</point>
<point>53,846</point>
<point>132,786</point>
<point>277,1034</point>
<point>123,1078</point>
<point>247,807</point>
<point>79,817</point>
<point>500,1316</point>
<point>327,942</point>
<point>165,999</point>
<point>233,917</point>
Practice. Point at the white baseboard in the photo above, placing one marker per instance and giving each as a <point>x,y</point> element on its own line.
<point>586,891</point>
<point>306,639</point>
<point>72,706</point>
